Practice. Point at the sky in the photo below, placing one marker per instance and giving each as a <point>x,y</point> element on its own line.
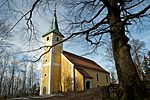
<point>141,32</point>
<point>43,25</point>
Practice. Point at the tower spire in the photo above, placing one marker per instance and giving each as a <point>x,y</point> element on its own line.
<point>54,26</point>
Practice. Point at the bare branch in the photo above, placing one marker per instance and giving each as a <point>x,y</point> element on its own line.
<point>3,3</point>
<point>72,35</point>
<point>88,21</point>
<point>134,5</point>
<point>136,15</point>
<point>29,21</point>
<point>33,7</point>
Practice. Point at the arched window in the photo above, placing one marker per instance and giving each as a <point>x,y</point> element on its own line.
<point>47,38</point>
<point>88,84</point>
<point>57,38</point>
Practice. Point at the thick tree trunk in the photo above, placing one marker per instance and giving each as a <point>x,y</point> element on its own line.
<point>127,74</point>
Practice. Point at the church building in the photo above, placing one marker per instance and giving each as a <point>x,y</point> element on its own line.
<point>63,71</point>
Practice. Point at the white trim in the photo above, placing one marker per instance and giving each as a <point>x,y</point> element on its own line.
<point>51,68</point>
<point>56,64</point>
<point>73,77</point>
<point>41,93</point>
<point>61,47</point>
<point>46,64</point>
<point>41,83</point>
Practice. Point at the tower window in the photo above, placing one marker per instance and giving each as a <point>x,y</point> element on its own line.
<point>97,77</point>
<point>57,38</point>
<point>47,38</point>
<point>44,74</point>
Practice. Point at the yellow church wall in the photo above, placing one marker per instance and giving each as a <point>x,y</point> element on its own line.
<point>56,73</point>
<point>102,81</point>
<point>45,78</point>
<point>56,79</point>
<point>79,84</point>
<point>46,58</point>
<point>45,66</point>
<point>56,65</point>
<point>66,74</point>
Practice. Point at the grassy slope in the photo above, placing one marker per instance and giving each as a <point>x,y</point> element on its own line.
<point>91,94</point>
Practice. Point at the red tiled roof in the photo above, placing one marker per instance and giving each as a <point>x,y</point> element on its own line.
<point>83,62</point>
<point>84,73</point>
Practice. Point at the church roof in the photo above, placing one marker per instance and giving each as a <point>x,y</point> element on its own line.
<point>83,73</point>
<point>83,62</point>
<point>54,26</point>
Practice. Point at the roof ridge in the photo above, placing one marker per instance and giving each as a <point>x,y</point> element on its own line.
<point>80,56</point>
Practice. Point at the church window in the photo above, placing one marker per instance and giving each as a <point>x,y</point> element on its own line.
<point>97,77</point>
<point>88,83</point>
<point>45,75</point>
<point>107,78</point>
<point>46,60</point>
<point>47,38</point>
<point>57,38</point>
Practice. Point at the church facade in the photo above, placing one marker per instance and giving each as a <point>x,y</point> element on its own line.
<point>64,71</point>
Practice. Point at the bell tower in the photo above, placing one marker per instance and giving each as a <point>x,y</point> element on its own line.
<point>51,66</point>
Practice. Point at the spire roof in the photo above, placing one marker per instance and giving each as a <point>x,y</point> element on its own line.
<point>54,25</point>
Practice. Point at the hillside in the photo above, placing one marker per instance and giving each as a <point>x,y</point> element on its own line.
<point>90,94</point>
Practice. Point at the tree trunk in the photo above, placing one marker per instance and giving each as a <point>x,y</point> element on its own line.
<point>1,81</point>
<point>128,78</point>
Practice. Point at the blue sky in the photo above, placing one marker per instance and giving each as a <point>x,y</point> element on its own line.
<point>141,32</point>
<point>43,24</point>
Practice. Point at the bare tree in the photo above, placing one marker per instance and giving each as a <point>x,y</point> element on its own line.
<point>113,17</point>
<point>138,52</point>
<point>146,66</point>
<point>4,63</point>
<point>13,76</point>
<point>24,78</point>
<point>93,19</point>
<point>4,27</point>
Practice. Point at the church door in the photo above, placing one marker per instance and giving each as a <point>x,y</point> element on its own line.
<point>44,90</point>
<point>87,84</point>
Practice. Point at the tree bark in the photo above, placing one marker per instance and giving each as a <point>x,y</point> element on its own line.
<point>127,74</point>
